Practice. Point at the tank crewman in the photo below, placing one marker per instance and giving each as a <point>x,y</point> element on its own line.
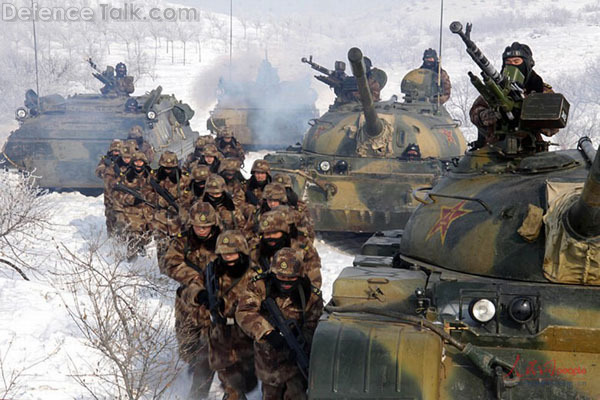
<point>297,299</point>
<point>111,175</point>
<point>216,194</point>
<point>113,153</point>
<point>170,184</point>
<point>432,63</point>
<point>185,262</point>
<point>274,234</point>
<point>135,220</point>
<point>123,82</point>
<point>230,170</point>
<point>137,133</point>
<point>305,219</point>
<point>261,177</point>
<point>217,294</point>
<point>228,145</point>
<point>196,155</point>
<point>484,118</point>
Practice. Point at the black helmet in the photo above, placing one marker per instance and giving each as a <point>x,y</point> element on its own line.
<point>430,53</point>
<point>121,69</point>
<point>368,64</point>
<point>519,50</point>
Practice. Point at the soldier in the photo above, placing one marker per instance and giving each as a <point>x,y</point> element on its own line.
<point>228,145</point>
<point>111,175</point>
<point>431,62</point>
<point>261,177</point>
<point>123,82</point>
<point>290,290</point>
<point>305,219</point>
<point>274,234</point>
<point>185,262</point>
<point>273,196</point>
<point>216,194</point>
<point>211,157</point>
<point>136,133</point>
<point>135,220</point>
<point>113,153</point>
<point>195,192</point>
<point>171,185</point>
<point>230,170</point>
<point>217,294</point>
<point>518,56</point>
<point>196,155</point>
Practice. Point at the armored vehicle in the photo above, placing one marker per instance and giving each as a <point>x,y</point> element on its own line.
<point>62,139</point>
<point>360,161</point>
<point>492,289</point>
<point>264,114</point>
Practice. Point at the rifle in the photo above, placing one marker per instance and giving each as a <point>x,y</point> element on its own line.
<point>333,79</point>
<point>137,195</point>
<point>164,194</point>
<point>211,281</point>
<point>110,83</point>
<point>291,332</point>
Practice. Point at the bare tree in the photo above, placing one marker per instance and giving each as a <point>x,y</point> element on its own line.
<point>118,307</point>
<point>184,34</point>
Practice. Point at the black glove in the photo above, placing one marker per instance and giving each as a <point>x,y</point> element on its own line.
<point>275,340</point>
<point>202,298</point>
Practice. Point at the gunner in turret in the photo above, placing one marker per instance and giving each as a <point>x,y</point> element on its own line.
<point>432,63</point>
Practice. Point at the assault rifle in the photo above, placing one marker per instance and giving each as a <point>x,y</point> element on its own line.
<point>108,81</point>
<point>334,79</point>
<point>291,332</point>
<point>119,187</point>
<point>164,194</point>
<point>211,281</point>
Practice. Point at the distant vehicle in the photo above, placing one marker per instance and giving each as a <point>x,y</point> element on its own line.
<point>266,113</point>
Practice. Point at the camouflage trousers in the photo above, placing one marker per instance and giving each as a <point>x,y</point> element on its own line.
<point>111,220</point>
<point>293,389</point>
<point>135,230</point>
<point>238,379</point>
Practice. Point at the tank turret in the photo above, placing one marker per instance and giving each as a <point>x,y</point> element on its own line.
<point>373,125</point>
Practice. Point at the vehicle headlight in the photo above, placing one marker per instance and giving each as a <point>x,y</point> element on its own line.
<point>341,167</point>
<point>521,309</point>
<point>482,310</point>
<point>324,166</point>
<point>21,113</point>
<point>151,114</point>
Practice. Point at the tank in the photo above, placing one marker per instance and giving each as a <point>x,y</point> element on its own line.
<point>490,291</point>
<point>62,139</point>
<point>264,114</point>
<point>360,161</point>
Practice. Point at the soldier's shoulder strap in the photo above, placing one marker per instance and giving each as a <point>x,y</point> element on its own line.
<point>316,291</point>
<point>260,275</point>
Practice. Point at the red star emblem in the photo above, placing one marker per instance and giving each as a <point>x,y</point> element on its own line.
<point>448,135</point>
<point>447,216</point>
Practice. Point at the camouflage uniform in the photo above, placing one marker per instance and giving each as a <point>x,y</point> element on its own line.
<point>167,222</point>
<point>231,149</point>
<point>185,261</point>
<point>231,350</point>
<point>195,192</point>
<point>135,219</point>
<point>281,378</point>
<point>230,171</point>
<point>262,254</point>
<point>136,133</point>
<point>231,217</point>
<point>106,165</point>
<point>196,155</point>
<point>272,192</point>
<point>254,188</point>
<point>114,151</point>
<point>111,175</point>
<point>305,222</point>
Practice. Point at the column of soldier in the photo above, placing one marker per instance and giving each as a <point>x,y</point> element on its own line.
<point>242,251</point>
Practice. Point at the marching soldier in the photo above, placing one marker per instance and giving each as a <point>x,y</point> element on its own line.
<point>216,194</point>
<point>261,177</point>
<point>305,220</point>
<point>111,175</point>
<point>228,145</point>
<point>113,153</point>
<point>217,294</point>
<point>211,157</point>
<point>195,192</point>
<point>273,196</point>
<point>136,133</point>
<point>196,155</point>
<point>230,170</point>
<point>287,292</point>
<point>185,262</point>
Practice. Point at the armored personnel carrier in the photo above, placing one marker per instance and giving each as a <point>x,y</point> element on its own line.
<point>491,291</point>
<point>360,162</point>
<point>62,139</point>
<point>266,113</point>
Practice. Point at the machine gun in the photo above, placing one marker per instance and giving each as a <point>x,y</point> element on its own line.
<point>291,332</point>
<point>164,194</point>
<point>334,79</point>
<point>212,288</point>
<point>119,187</point>
<point>108,81</point>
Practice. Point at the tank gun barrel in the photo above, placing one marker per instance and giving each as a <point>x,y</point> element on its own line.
<point>583,218</point>
<point>373,125</point>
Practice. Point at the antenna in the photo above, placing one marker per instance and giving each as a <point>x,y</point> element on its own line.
<point>37,80</point>
<point>439,77</point>
<point>230,35</point>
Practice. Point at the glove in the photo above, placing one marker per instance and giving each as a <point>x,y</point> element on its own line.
<point>202,298</point>
<point>488,117</point>
<point>275,340</point>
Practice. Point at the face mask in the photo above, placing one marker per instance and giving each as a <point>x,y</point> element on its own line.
<point>139,170</point>
<point>214,201</point>
<point>275,244</point>
<point>172,175</point>
<point>198,188</point>
<point>286,288</point>
<point>228,176</point>
<point>238,267</point>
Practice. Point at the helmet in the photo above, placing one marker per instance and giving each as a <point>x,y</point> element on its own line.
<point>121,69</point>
<point>275,191</point>
<point>210,150</point>
<point>230,164</point>
<point>138,155</point>
<point>519,50</point>
<point>232,242</point>
<point>200,173</point>
<point>368,64</point>
<point>115,145</point>
<point>135,132</point>
<point>283,179</point>
<point>430,53</point>
<point>287,262</point>
<point>215,184</point>
<point>225,132</point>
<point>273,221</point>
<point>131,143</point>
<point>168,159</point>
<point>127,150</point>
<point>203,141</point>
<point>202,214</point>
<point>261,166</point>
